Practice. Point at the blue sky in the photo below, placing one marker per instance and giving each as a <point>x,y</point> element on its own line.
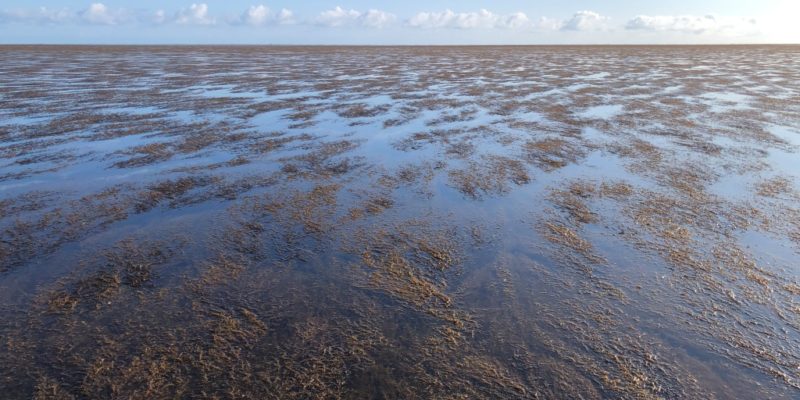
<point>406,22</point>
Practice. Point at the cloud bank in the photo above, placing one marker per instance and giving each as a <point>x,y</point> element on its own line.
<point>196,14</point>
<point>483,19</point>
<point>586,21</point>
<point>339,17</point>
<point>694,24</point>
<point>261,15</point>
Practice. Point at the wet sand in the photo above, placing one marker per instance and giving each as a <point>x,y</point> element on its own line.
<point>400,222</point>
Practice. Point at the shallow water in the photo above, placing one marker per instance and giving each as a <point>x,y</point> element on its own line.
<point>400,222</point>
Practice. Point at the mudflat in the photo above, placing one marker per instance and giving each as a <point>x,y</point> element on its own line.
<point>400,222</point>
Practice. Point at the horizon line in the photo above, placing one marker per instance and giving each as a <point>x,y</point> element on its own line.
<point>396,45</point>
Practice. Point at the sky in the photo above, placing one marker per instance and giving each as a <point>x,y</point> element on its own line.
<point>400,22</point>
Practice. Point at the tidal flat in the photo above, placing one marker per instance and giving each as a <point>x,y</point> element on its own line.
<point>400,222</point>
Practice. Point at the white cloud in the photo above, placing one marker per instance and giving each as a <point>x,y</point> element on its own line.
<point>377,19</point>
<point>257,15</point>
<point>98,13</point>
<point>484,19</point>
<point>196,14</point>
<point>517,20</point>
<point>339,17</point>
<point>261,15</point>
<point>285,16</point>
<point>585,21</point>
<point>694,24</point>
